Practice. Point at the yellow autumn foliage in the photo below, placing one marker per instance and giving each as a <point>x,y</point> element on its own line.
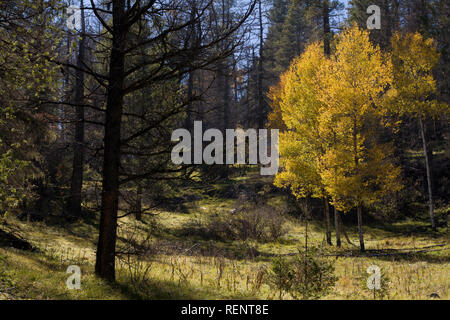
<point>333,109</point>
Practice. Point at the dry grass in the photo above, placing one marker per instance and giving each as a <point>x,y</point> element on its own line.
<point>187,267</point>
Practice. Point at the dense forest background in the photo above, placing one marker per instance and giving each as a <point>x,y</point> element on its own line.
<point>88,106</point>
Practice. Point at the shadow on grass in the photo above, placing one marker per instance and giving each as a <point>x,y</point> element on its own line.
<point>154,289</point>
<point>409,228</point>
<point>9,239</point>
<point>435,254</point>
<point>48,276</point>
<point>417,257</point>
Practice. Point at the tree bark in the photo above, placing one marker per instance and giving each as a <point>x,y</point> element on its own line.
<point>360,228</point>
<point>223,90</point>
<point>396,18</point>
<point>261,109</point>
<point>423,16</point>
<point>327,220</point>
<point>336,212</point>
<point>428,169</point>
<point>326,28</point>
<point>388,25</point>
<point>336,227</point>
<point>190,86</point>
<point>105,260</point>
<point>358,207</point>
<point>78,147</point>
<point>139,189</point>
<point>138,213</point>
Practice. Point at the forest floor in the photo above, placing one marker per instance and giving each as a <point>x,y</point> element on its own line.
<point>178,261</point>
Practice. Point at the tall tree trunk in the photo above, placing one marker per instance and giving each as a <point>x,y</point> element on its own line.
<point>360,228</point>
<point>388,25</point>
<point>261,109</point>
<point>190,86</point>
<point>251,99</point>
<point>226,110</point>
<point>138,209</point>
<point>336,212</point>
<point>326,210</point>
<point>358,208</point>
<point>78,146</point>
<point>105,260</point>
<point>428,169</point>
<point>396,18</point>
<point>223,88</point>
<point>423,20</point>
<point>226,97</point>
<point>336,227</point>
<point>326,28</point>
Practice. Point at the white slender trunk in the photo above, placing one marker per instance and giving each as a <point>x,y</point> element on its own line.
<point>428,169</point>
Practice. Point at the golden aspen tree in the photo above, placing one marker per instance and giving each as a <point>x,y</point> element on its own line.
<point>297,108</point>
<point>414,88</point>
<point>356,169</point>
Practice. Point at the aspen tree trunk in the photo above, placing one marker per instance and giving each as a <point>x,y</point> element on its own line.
<point>336,212</point>
<point>306,212</point>
<point>327,220</point>
<point>106,248</point>
<point>360,228</point>
<point>74,204</point>
<point>336,227</point>
<point>358,208</point>
<point>428,169</point>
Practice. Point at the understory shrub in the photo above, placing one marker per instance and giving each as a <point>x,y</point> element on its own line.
<point>261,224</point>
<point>308,275</point>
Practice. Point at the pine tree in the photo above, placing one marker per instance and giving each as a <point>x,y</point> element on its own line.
<point>287,36</point>
<point>358,13</point>
<point>74,205</point>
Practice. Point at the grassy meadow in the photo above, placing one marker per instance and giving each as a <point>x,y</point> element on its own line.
<point>169,255</point>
